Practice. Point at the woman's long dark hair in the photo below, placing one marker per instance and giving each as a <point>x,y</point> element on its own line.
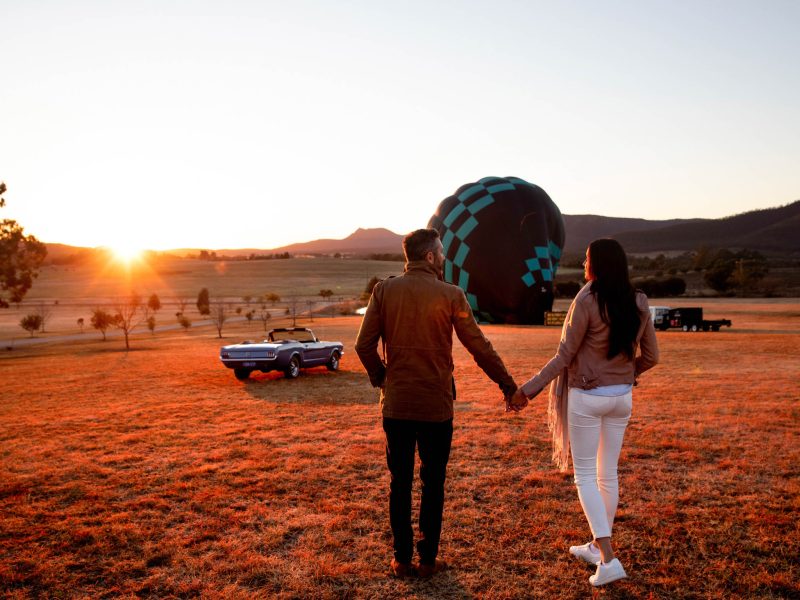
<point>615,295</point>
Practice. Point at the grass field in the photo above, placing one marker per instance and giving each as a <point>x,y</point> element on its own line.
<point>170,277</point>
<point>154,473</point>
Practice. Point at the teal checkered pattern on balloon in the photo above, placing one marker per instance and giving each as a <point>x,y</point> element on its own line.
<point>544,262</point>
<point>458,235</point>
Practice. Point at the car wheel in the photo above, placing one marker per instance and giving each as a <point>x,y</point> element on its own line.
<point>293,368</point>
<point>694,327</point>
<point>685,328</point>
<point>333,363</point>
<point>241,374</point>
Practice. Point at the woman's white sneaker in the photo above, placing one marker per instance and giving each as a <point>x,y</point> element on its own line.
<point>608,572</point>
<point>587,552</point>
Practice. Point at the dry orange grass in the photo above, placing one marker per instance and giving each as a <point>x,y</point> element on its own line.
<point>154,473</point>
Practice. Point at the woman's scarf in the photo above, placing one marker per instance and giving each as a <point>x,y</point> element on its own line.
<point>557,420</point>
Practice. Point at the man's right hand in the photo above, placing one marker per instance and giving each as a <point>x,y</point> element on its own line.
<point>516,401</point>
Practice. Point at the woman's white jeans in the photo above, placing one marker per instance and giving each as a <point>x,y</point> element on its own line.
<point>596,428</point>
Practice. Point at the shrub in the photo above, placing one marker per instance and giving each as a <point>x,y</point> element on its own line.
<point>184,322</point>
<point>672,286</point>
<point>31,323</point>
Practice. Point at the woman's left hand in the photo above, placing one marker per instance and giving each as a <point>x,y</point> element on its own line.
<point>518,401</point>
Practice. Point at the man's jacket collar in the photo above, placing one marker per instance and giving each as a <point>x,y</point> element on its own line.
<point>421,266</point>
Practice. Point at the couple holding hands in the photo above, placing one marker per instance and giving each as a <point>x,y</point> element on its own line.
<point>607,341</point>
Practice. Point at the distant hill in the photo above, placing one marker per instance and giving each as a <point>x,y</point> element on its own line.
<point>770,229</point>
<point>582,229</point>
<point>360,242</point>
<point>65,254</point>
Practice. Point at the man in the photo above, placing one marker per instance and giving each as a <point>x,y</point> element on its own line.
<point>416,314</point>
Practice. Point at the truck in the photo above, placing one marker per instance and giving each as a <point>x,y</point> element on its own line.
<point>685,318</point>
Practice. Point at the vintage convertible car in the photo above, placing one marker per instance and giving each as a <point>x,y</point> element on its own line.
<point>286,350</point>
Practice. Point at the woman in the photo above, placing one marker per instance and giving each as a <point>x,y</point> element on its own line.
<point>593,372</point>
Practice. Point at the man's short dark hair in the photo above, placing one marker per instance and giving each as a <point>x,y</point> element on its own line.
<point>418,243</point>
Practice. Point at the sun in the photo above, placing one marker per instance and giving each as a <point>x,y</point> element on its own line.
<point>126,253</point>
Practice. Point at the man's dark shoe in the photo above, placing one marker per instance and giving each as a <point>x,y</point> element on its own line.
<point>400,570</point>
<point>426,571</point>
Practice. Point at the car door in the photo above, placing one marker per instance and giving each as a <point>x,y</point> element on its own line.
<point>315,353</point>
<point>320,353</point>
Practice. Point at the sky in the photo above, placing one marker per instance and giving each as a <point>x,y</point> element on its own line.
<point>166,124</point>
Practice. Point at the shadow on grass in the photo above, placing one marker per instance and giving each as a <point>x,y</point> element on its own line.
<point>443,585</point>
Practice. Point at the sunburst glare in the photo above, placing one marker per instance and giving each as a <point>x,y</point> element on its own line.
<point>126,253</point>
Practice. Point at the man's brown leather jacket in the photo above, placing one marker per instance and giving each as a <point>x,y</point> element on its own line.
<point>415,315</point>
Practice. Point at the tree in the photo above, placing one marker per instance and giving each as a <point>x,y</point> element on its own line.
<point>101,320</point>
<point>718,275</point>
<point>181,302</point>
<point>326,295</point>
<point>249,316</point>
<point>20,258</point>
<point>292,309</point>
<point>702,258</point>
<point>247,298</point>
<point>203,302</point>
<point>310,309</point>
<point>80,323</point>
<point>272,298</point>
<point>151,324</point>
<point>127,315</point>
<point>219,314</point>
<point>44,313</point>
<point>264,315</point>
<point>154,303</point>
<point>31,323</point>
<point>673,286</point>
<point>719,271</point>
<point>751,268</point>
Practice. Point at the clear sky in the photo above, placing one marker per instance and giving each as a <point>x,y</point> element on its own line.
<point>256,124</point>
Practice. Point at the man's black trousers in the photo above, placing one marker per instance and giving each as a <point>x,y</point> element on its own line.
<point>433,441</point>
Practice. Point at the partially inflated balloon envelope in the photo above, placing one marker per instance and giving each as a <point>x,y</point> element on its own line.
<point>502,240</point>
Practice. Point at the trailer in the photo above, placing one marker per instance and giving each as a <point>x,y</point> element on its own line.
<point>685,318</point>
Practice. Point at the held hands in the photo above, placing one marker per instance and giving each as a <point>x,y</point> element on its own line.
<point>516,402</point>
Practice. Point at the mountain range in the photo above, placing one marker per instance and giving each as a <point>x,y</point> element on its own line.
<point>771,230</point>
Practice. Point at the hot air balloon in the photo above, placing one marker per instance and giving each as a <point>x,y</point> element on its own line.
<point>502,239</point>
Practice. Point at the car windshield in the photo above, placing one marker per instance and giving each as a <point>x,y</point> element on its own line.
<point>291,336</point>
